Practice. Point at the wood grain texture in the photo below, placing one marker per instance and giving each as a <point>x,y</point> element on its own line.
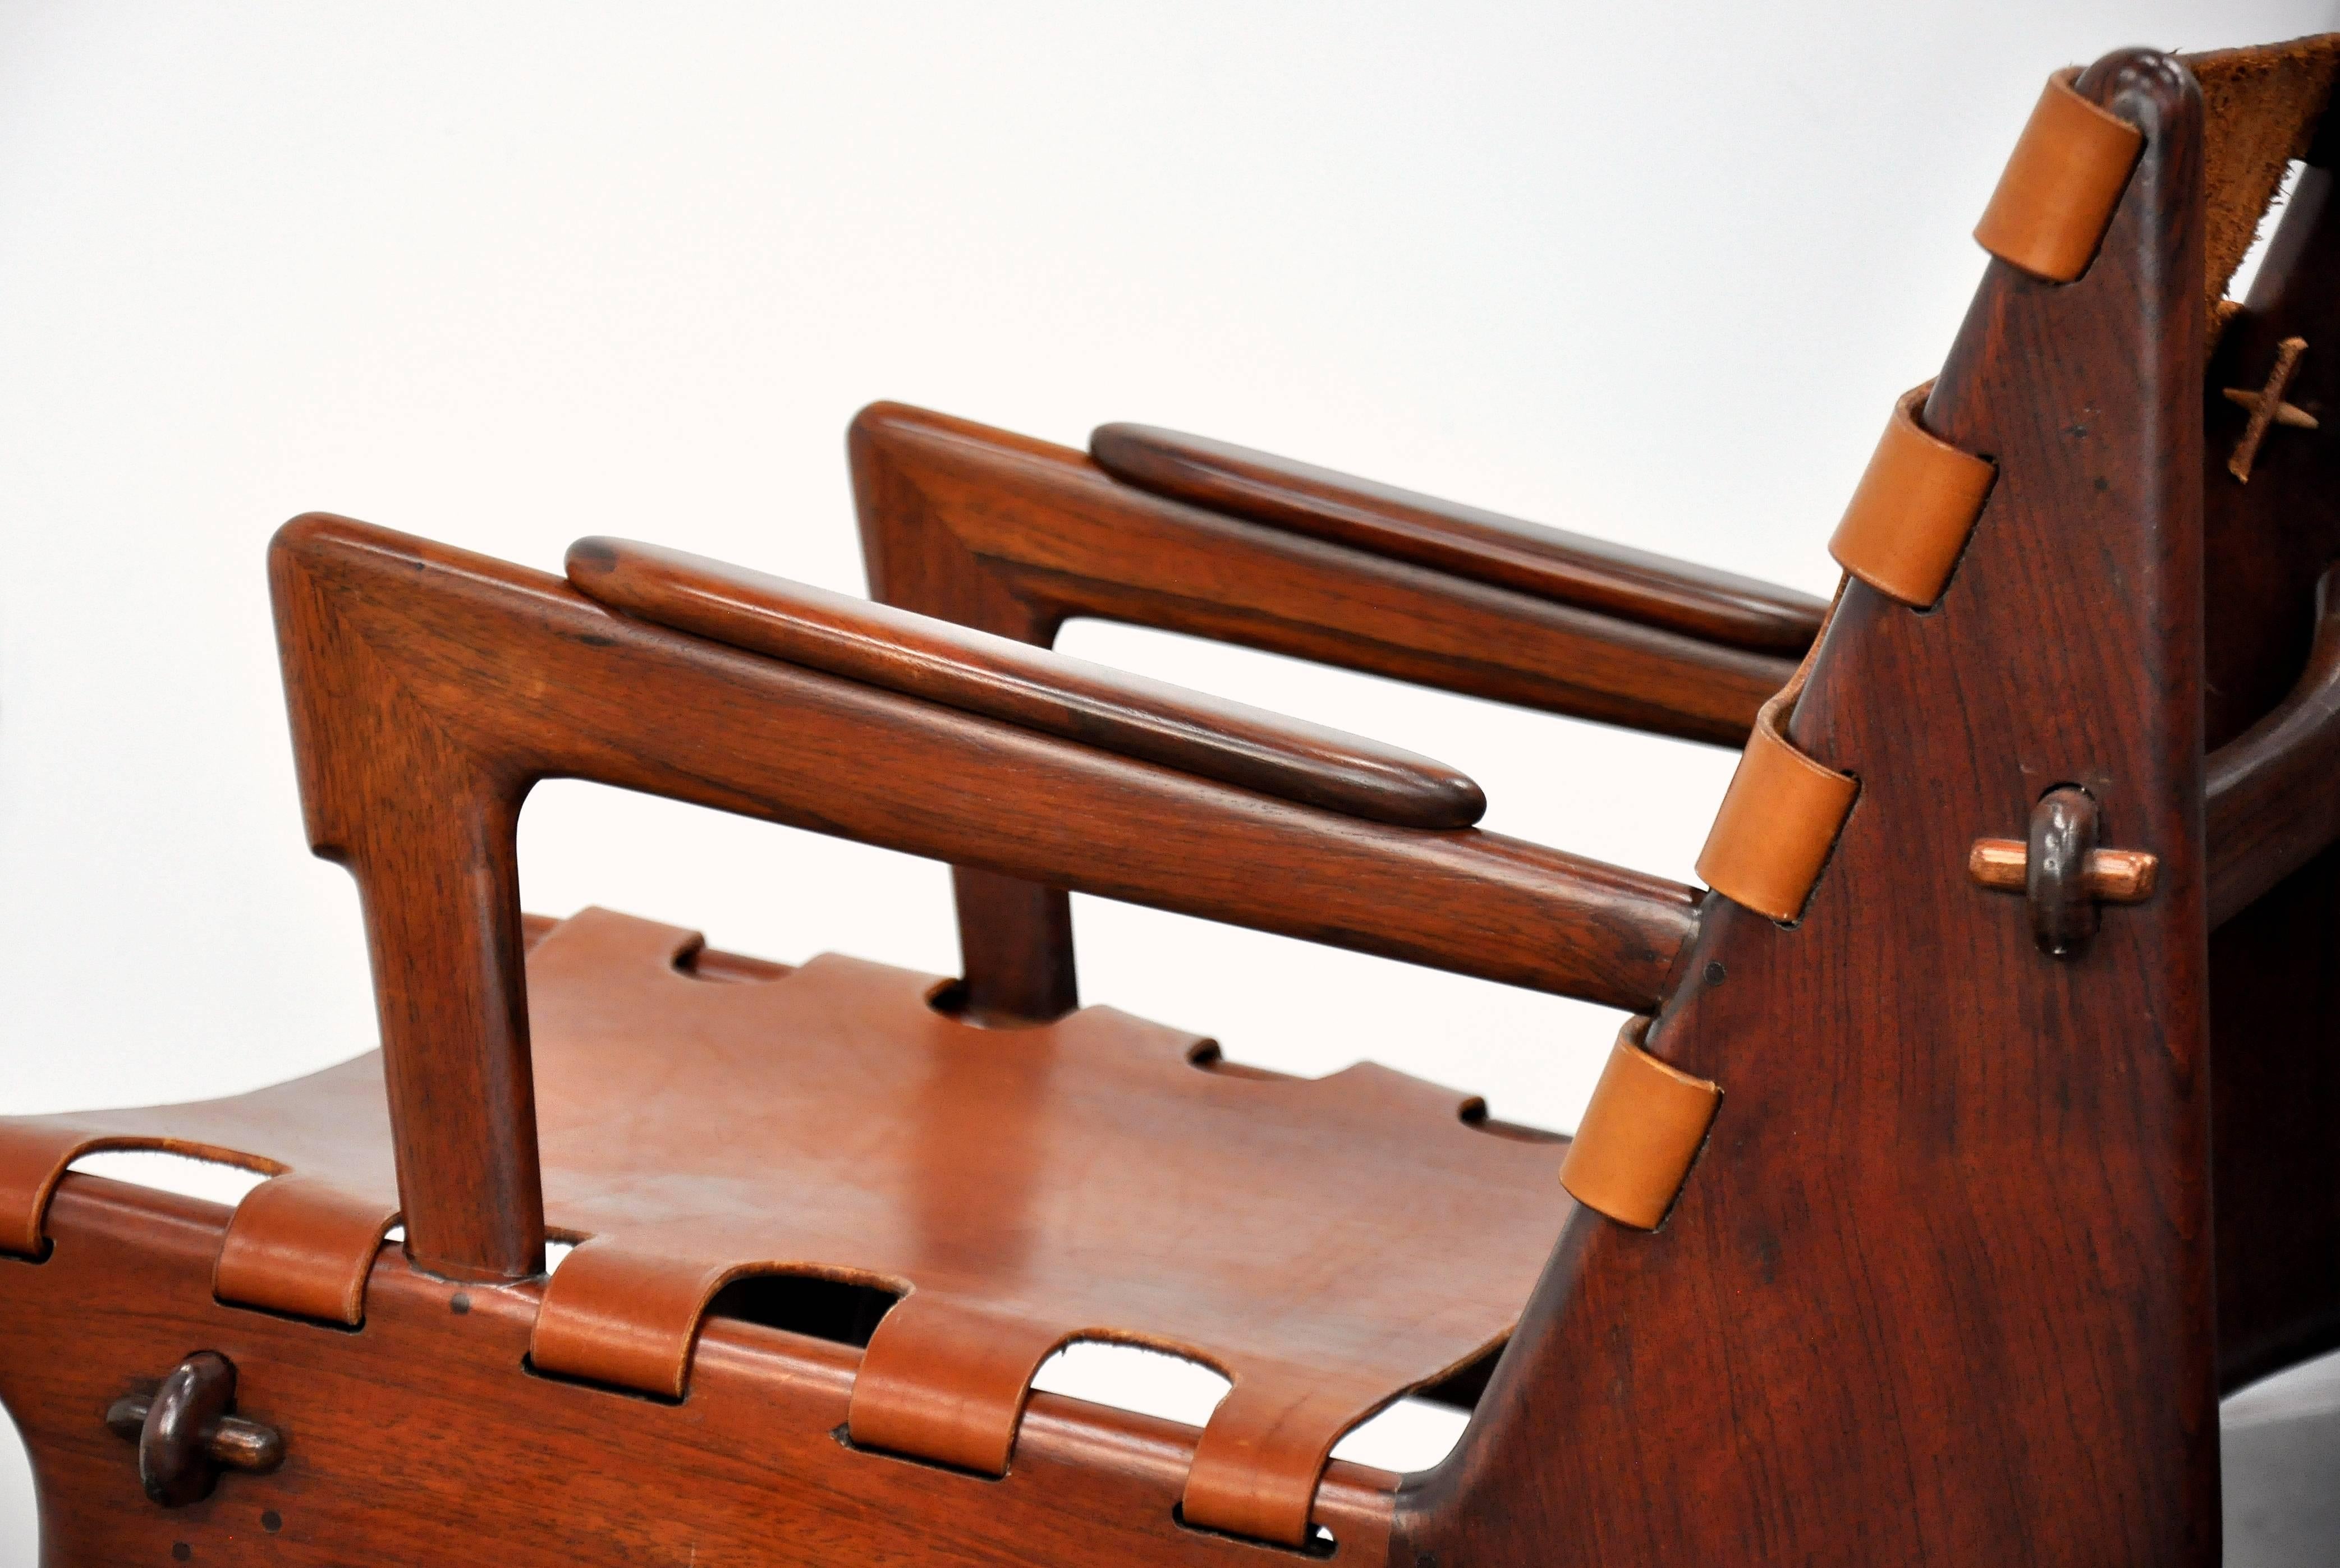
<point>422,1438</point>
<point>1939,1289</point>
<point>1326,1244</point>
<point>2271,801</point>
<point>1014,536</point>
<point>2274,965</point>
<point>430,688</point>
<point>978,673</point>
<point>1478,546</point>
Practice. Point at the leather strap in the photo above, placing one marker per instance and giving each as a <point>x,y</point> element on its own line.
<point>299,1245</point>
<point>1916,505</point>
<point>33,1159</point>
<point>629,1316</point>
<point>2260,109</point>
<point>1781,814</point>
<point>2061,184</point>
<point>1256,1463</point>
<point>945,1378</point>
<point>1643,1128</point>
<point>302,1246</point>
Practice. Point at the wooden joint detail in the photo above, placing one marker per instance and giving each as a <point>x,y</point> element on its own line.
<point>2061,870</point>
<point>187,1432</point>
<point>1910,516</point>
<point>1639,1135</point>
<point>2109,875</point>
<point>2267,408</point>
<point>2055,196</point>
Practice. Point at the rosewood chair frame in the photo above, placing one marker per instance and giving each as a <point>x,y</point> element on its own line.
<point>1956,1271</point>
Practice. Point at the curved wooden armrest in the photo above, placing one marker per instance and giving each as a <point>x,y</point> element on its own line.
<point>2272,795</point>
<point>977,673</point>
<point>1486,546</point>
<point>992,529</point>
<point>430,688</point>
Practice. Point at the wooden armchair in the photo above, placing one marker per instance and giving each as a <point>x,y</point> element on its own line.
<point>1971,1133</point>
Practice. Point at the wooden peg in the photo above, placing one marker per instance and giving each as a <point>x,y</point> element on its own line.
<point>2267,408</point>
<point>2061,870</point>
<point>2110,875</point>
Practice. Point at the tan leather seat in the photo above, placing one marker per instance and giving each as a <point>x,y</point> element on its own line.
<point>1327,1245</point>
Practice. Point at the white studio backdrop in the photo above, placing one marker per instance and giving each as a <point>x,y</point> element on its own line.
<point>507,275</point>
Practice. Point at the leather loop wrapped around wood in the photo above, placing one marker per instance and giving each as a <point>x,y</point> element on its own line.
<point>1910,517</point>
<point>1778,820</point>
<point>1328,1244</point>
<point>302,1246</point>
<point>2061,184</point>
<point>1643,1128</point>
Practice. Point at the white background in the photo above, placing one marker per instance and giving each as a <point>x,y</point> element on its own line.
<point>508,275</point>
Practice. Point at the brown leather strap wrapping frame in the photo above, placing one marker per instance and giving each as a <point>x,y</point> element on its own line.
<point>302,1246</point>
<point>1781,814</point>
<point>1909,518</point>
<point>298,1245</point>
<point>2061,184</point>
<point>1642,1129</point>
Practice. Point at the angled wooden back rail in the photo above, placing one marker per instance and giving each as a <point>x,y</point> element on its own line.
<point>429,688</point>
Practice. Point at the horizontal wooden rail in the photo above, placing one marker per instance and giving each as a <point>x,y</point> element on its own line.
<point>2273,793</point>
<point>977,673</point>
<point>992,529</point>
<point>1486,546</point>
<point>429,688</point>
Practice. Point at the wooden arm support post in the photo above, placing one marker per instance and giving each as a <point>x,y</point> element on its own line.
<point>429,688</point>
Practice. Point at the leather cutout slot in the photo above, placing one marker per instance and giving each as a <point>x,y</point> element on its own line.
<point>1474,1115</point>
<point>36,1152</point>
<point>840,1311</point>
<point>2057,195</point>
<point>1208,1057</point>
<point>206,1177</point>
<point>1460,1390</point>
<point>1320,1542</point>
<point>700,961</point>
<point>529,1367</point>
<point>1143,1378</point>
<point>1406,1435</point>
<point>629,1316</point>
<point>955,1001</point>
<point>844,1436</point>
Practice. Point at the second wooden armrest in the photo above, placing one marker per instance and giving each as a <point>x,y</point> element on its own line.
<point>1030,687</point>
<point>1486,546</point>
